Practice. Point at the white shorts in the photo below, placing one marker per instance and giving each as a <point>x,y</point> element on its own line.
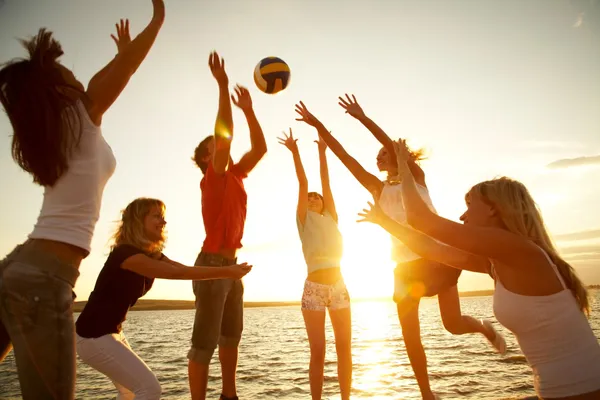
<point>318,297</point>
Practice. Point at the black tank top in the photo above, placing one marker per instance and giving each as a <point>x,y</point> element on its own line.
<point>116,290</point>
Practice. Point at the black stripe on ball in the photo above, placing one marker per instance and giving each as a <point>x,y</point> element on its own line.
<point>272,77</point>
<point>271,60</point>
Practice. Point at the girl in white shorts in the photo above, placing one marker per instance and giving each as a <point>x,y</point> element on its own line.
<point>324,287</point>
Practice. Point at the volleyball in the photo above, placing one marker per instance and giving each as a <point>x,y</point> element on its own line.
<point>272,75</point>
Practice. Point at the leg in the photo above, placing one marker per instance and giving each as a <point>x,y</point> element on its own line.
<point>315,328</point>
<point>408,314</point>
<point>231,334</point>
<point>341,320</point>
<point>112,356</point>
<point>36,310</point>
<point>459,324</point>
<point>454,321</point>
<point>210,302</point>
<point>5,344</point>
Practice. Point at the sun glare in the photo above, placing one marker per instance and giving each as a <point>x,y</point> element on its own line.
<point>366,265</point>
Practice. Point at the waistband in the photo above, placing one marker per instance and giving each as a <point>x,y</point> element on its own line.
<point>216,260</point>
<point>325,285</point>
<point>30,253</point>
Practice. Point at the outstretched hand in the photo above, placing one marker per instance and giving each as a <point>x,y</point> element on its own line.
<point>403,154</point>
<point>123,37</point>
<point>373,214</point>
<point>321,144</point>
<point>306,116</point>
<point>243,101</point>
<point>289,141</point>
<point>217,67</point>
<point>351,106</point>
<point>239,270</point>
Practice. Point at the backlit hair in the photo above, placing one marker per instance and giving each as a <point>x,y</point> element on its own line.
<point>520,214</point>
<point>131,227</point>
<point>200,152</point>
<point>40,104</point>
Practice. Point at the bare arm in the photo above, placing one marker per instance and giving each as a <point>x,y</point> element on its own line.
<point>328,202</point>
<point>104,90</point>
<point>290,143</point>
<point>168,269</point>
<point>257,138</point>
<point>488,242</point>
<point>369,181</point>
<point>354,109</point>
<point>224,122</point>
<point>424,245</point>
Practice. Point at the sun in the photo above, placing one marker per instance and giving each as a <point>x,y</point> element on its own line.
<point>366,265</point>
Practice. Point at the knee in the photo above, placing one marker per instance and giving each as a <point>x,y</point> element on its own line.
<point>344,344</point>
<point>317,353</point>
<point>151,390</point>
<point>453,326</point>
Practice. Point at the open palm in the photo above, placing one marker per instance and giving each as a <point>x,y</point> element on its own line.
<point>123,38</point>
<point>243,101</point>
<point>289,141</point>
<point>217,68</point>
<point>305,115</point>
<point>351,106</point>
<point>373,214</point>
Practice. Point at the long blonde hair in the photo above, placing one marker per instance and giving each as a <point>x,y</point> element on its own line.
<point>521,215</point>
<point>131,227</point>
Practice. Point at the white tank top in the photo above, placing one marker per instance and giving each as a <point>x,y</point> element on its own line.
<point>390,201</point>
<point>555,337</point>
<point>71,207</point>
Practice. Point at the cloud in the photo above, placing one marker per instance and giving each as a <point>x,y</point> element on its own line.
<point>574,162</point>
<point>582,235</point>
<point>579,250</point>
<point>579,22</point>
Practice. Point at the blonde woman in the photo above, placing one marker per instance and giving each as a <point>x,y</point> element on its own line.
<point>135,261</point>
<point>538,295</point>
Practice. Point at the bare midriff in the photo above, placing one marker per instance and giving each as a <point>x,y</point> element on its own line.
<point>326,276</point>
<point>65,252</point>
<point>228,253</point>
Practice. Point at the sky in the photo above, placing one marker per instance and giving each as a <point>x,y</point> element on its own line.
<point>488,88</point>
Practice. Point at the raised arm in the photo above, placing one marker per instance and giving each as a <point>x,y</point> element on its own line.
<point>107,85</point>
<point>369,181</point>
<point>258,144</point>
<point>224,122</point>
<point>423,245</point>
<point>350,104</point>
<point>328,202</point>
<point>488,242</point>
<point>290,143</point>
<point>354,109</point>
<point>168,269</point>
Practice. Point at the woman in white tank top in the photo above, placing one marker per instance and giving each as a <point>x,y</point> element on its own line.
<point>415,276</point>
<point>324,288</point>
<point>58,140</point>
<point>538,295</point>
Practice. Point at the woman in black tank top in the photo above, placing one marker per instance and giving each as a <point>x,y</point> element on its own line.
<point>135,261</point>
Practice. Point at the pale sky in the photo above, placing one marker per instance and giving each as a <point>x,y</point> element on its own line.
<point>489,88</point>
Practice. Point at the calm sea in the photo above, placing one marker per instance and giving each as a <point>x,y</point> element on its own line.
<point>274,356</point>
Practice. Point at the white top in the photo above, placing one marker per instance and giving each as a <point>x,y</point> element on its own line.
<point>71,207</point>
<point>322,242</point>
<point>392,205</point>
<point>555,337</point>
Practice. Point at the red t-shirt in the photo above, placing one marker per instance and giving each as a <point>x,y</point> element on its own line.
<point>224,201</point>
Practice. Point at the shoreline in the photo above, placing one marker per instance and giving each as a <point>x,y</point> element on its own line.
<point>165,305</point>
